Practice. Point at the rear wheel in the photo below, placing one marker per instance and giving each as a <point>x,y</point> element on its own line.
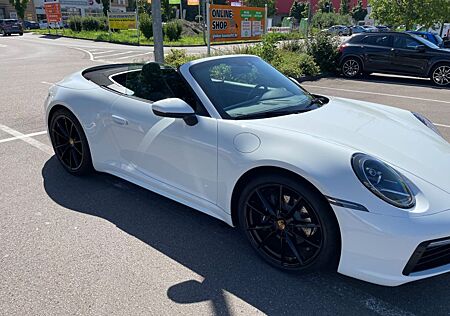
<point>289,224</point>
<point>20,34</point>
<point>70,143</point>
<point>440,75</point>
<point>4,33</point>
<point>351,67</point>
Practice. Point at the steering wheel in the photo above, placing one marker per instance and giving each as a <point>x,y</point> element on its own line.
<point>255,89</point>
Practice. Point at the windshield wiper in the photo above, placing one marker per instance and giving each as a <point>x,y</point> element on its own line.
<point>270,114</point>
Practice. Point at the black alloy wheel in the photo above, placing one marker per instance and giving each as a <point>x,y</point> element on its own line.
<point>69,143</point>
<point>441,75</point>
<point>351,68</point>
<point>289,225</point>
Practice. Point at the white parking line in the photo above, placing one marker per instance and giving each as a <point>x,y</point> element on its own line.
<point>91,57</point>
<point>442,125</point>
<point>27,138</point>
<point>112,55</point>
<point>375,93</point>
<point>23,136</point>
<point>104,52</point>
<point>1,45</point>
<point>132,56</point>
<point>46,82</point>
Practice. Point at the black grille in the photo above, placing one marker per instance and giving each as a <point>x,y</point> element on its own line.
<point>429,255</point>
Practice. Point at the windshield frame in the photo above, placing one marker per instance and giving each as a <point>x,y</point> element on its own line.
<point>216,110</point>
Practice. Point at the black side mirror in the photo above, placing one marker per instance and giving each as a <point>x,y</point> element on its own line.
<point>175,108</point>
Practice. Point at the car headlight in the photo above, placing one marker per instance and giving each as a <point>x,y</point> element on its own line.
<point>427,123</point>
<point>382,180</point>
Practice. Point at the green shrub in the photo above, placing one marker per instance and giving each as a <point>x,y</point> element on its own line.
<point>173,30</point>
<point>294,46</point>
<point>323,20</point>
<point>178,57</point>
<point>267,49</point>
<point>324,49</point>
<point>75,23</point>
<point>102,23</point>
<point>146,25</point>
<point>296,65</point>
<point>90,23</point>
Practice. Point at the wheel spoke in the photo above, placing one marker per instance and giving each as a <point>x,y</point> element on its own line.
<point>282,249</point>
<point>257,210</point>
<point>265,203</point>
<point>260,227</point>
<point>78,151</point>
<point>71,129</point>
<point>307,225</point>
<point>75,158</point>
<point>266,239</point>
<point>280,198</point>
<point>293,249</point>
<point>304,239</point>
<point>64,132</point>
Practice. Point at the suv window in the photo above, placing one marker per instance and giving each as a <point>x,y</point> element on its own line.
<point>378,40</point>
<point>405,42</point>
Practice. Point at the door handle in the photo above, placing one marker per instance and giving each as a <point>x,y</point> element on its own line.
<point>119,120</point>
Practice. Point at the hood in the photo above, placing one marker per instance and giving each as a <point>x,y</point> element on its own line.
<point>390,134</point>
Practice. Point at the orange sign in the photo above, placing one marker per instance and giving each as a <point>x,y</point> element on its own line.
<point>231,23</point>
<point>53,12</point>
<point>193,2</point>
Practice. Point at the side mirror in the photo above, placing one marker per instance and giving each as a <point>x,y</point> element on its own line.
<point>175,108</point>
<point>421,48</point>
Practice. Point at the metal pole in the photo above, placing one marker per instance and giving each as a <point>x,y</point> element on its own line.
<point>208,30</point>
<point>265,19</point>
<point>137,26</point>
<point>181,9</point>
<point>309,17</point>
<point>158,45</point>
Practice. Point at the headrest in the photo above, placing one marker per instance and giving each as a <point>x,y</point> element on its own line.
<point>151,70</point>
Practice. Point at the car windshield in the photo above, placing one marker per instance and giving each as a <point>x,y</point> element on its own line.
<point>244,87</point>
<point>424,41</point>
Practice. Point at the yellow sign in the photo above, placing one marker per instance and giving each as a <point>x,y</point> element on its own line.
<point>122,21</point>
<point>231,23</point>
<point>193,2</point>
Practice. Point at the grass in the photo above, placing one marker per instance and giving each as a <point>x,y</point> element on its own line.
<point>130,37</point>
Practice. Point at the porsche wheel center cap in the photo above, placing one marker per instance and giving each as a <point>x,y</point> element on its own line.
<point>71,142</point>
<point>281,224</point>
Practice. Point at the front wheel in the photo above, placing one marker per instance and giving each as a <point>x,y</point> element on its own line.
<point>20,34</point>
<point>440,75</point>
<point>70,143</point>
<point>289,224</point>
<point>351,68</point>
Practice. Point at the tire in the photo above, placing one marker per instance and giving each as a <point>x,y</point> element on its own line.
<point>440,75</point>
<point>20,34</point>
<point>351,67</point>
<point>4,33</point>
<point>69,143</point>
<point>299,234</point>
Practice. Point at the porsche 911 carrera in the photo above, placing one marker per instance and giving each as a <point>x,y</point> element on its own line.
<point>313,182</point>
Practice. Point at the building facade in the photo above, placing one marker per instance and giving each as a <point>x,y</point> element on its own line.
<point>7,11</point>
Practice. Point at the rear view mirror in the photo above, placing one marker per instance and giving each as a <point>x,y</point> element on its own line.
<point>175,108</point>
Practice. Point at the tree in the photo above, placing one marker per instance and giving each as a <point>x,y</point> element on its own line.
<point>410,12</point>
<point>325,6</point>
<point>20,6</point>
<point>146,25</point>
<point>105,4</point>
<point>359,12</point>
<point>343,9</point>
<point>299,10</point>
<point>271,10</point>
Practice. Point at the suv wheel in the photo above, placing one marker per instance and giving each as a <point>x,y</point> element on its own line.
<point>441,75</point>
<point>351,67</point>
<point>4,33</point>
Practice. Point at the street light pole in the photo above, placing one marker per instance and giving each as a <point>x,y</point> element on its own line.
<point>158,46</point>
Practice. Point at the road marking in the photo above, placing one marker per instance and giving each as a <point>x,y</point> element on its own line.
<point>23,136</point>
<point>442,125</point>
<point>375,93</point>
<point>132,56</point>
<point>91,57</point>
<point>1,45</point>
<point>123,53</point>
<point>104,52</point>
<point>26,138</point>
<point>46,82</point>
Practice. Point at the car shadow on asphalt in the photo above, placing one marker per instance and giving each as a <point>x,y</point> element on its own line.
<point>222,256</point>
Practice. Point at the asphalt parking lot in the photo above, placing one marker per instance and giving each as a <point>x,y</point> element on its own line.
<point>101,246</point>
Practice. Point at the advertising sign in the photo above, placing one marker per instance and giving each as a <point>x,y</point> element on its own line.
<point>52,11</point>
<point>193,2</point>
<point>231,23</point>
<point>122,21</point>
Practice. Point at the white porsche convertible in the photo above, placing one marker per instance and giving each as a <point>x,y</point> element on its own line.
<point>313,182</point>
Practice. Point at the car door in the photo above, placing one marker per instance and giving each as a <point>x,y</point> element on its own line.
<point>407,58</point>
<point>376,52</point>
<point>166,150</point>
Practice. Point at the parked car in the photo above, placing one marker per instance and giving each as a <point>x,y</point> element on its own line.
<point>30,25</point>
<point>356,29</point>
<point>433,38</point>
<point>44,25</point>
<point>312,182</point>
<point>395,53</point>
<point>370,29</point>
<point>10,26</point>
<point>383,28</point>
<point>339,30</point>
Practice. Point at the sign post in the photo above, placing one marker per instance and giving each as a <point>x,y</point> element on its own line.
<point>208,30</point>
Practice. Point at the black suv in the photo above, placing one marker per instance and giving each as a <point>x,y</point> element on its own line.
<point>395,53</point>
<point>10,26</point>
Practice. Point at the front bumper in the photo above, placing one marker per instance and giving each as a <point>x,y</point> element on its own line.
<point>377,248</point>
